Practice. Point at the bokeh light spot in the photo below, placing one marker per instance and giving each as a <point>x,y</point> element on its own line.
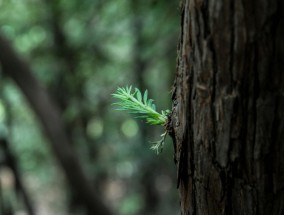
<point>129,128</point>
<point>95,128</point>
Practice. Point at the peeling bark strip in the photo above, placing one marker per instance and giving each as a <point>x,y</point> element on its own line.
<point>228,107</point>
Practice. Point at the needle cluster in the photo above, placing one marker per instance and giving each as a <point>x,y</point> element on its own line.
<point>141,106</point>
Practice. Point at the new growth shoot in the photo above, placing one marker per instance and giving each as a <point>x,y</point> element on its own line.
<point>138,104</point>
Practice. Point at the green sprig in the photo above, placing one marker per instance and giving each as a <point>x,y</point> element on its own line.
<point>141,106</point>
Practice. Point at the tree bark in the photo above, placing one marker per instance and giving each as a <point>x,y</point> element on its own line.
<point>49,115</point>
<point>228,107</point>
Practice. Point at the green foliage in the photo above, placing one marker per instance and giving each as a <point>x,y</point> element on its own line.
<point>135,103</point>
<point>142,107</point>
<point>159,145</point>
<point>100,60</point>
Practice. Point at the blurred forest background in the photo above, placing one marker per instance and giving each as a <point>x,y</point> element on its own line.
<point>81,51</point>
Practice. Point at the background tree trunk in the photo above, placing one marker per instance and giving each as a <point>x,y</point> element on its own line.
<point>228,113</point>
<point>49,116</point>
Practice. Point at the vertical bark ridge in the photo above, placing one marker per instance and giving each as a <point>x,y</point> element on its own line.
<point>230,110</point>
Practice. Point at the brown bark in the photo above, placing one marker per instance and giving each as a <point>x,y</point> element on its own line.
<point>228,112</point>
<point>52,124</point>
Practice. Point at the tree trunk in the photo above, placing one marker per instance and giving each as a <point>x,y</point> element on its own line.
<point>53,126</point>
<point>228,112</point>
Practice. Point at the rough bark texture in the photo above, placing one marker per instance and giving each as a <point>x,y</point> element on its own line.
<point>228,113</point>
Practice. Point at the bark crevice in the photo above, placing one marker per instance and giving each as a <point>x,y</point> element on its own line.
<point>231,124</point>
